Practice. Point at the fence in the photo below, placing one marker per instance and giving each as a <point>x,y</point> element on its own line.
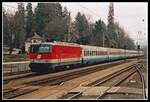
<point>11,67</point>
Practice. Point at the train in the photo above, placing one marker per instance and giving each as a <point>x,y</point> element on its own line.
<point>47,56</point>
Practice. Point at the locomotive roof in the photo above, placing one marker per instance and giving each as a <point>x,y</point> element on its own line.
<point>59,43</point>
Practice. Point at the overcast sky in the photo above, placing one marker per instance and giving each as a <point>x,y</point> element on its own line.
<point>128,14</point>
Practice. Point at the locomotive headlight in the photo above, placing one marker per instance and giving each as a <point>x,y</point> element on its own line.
<point>38,56</point>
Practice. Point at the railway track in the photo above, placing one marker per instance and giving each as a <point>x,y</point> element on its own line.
<point>55,80</point>
<point>33,78</point>
<point>142,79</point>
<point>12,93</point>
<point>111,80</point>
<point>16,73</point>
<point>9,77</point>
<point>6,79</point>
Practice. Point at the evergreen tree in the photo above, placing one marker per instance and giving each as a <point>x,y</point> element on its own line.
<point>51,20</point>
<point>110,27</point>
<point>20,31</point>
<point>39,18</point>
<point>29,21</point>
<point>67,25</point>
<point>57,26</point>
<point>111,14</point>
<point>99,34</point>
<point>123,39</point>
<point>5,28</point>
<point>82,28</point>
<point>8,30</point>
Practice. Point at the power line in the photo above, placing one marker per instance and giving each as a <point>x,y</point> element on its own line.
<point>88,9</point>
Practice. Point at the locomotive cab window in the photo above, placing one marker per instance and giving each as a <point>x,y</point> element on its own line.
<point>34,48</point>
<point>44,49</point>
<point>40,48</point>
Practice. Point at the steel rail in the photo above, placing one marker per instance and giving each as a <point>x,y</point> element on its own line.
<point>143,80</point>
<point>121,80</point>
<point>59,79</point>
<point>64,77</point>
<point>105,79</point>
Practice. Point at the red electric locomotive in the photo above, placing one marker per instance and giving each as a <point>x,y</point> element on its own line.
<point>46,57</point>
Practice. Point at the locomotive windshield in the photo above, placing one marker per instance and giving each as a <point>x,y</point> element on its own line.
<point>40,48</point>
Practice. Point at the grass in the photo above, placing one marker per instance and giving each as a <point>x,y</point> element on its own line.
<point>14,58</point>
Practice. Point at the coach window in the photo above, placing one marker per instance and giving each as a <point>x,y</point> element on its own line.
<point>89,53</point>
<point>101,52</point>
<point>84,53</point>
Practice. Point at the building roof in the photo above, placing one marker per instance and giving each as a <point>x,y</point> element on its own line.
<point>36,36</point>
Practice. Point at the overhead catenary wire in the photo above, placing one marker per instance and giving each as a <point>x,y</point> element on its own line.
<point>88,9</point>
<point>77,4</point>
